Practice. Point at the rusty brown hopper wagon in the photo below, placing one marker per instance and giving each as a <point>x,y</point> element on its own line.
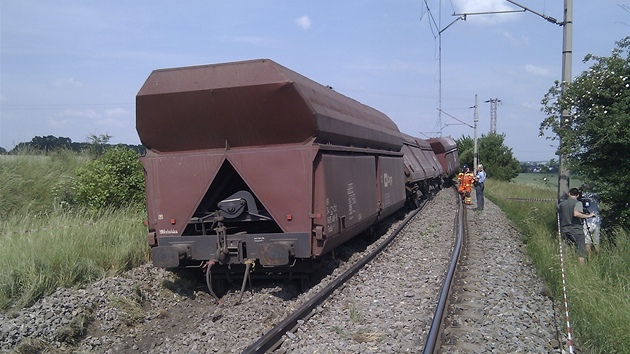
<point>422,169</point>
<point>445,149</point>
<point>250,162</point>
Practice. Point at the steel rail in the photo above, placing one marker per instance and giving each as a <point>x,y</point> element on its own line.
<point>432,344</point>
<point>533,199</point>
<point>274,335</point>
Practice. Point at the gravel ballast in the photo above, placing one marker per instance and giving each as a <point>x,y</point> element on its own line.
<point>386,308</point>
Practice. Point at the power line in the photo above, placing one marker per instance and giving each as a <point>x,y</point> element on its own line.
<point>52,105</point>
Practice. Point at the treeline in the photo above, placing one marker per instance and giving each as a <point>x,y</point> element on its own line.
<point>539,167</point>
<point>498,160</point>
<point>95,144</point>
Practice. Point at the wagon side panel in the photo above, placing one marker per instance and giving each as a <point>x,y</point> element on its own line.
<point>390,184</point>
<point>344,197</point>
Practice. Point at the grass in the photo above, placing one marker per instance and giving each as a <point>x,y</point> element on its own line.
<point>130,308</point>
<point>545,180</point>
<point>41,253</point>
<point>77,327</point>
<point>356,314</point>
<point>598,293</point>
<point>47,244</point>
<point>35,345</point>
<point>36,183</point>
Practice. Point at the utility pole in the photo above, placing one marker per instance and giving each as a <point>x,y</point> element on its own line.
<point>493,114</point>
<point>476,151</point>
<point>567,60</point>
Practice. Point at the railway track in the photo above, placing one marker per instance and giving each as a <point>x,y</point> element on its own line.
<point>385,301</point>
<point>274,336</point>
<point>498,304</point>
<point>468,302</point>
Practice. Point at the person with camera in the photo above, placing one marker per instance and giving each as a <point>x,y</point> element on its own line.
<point>480,179</point>
<point>571,214</point>
<point>592,226</point>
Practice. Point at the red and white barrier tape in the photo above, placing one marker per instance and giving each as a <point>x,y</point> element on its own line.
<point>564,291</point>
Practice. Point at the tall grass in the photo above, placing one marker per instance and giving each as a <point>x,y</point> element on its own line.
<point>598,292</point>
<point>64,249</point>
<point>47,244</point>
<point>32,182</point>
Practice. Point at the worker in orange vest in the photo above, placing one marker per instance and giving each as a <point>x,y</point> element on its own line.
<point>469,179</point>
<point>461,189</point>
<point>460,183</point>
<point>465,180</point>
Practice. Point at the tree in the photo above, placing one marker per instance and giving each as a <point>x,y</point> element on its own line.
<point>596,138</point>
<point>98,143</point>
<point>114,179</point>
<point>45,144</point>
<point>465,150</point>
<point>497,159</point>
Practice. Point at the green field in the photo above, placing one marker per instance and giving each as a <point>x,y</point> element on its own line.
<point>545,180</point>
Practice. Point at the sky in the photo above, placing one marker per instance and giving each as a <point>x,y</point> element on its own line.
<point>73,68</point>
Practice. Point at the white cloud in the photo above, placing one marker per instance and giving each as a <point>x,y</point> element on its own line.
<point>531,105</point>
<point>538,71</point>
<point>112,122</point>
<point>472,7</point>
<point>72,118</point>
<point>257,41</point>
<point>63,122</point>
<point>304,22</point>
<point>116,112</point>
<point>78,113</point>
<point>519,42</point>
<point>481,5</point>
<point>115,118</point>
<point>67,82</point>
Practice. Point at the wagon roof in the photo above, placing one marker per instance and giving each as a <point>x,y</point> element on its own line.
<point>412,140</point>
<point>252,103</point>
<point>443,144</point>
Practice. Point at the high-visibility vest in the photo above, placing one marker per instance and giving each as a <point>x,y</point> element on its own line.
<point>469,178</point>
<point>461,181</point>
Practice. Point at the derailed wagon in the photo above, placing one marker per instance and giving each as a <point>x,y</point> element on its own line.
<point>252,167</point>
<point>424,174</point>
<point>445,150</point>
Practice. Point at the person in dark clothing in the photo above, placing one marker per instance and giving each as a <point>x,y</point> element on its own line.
<point>571,215</point>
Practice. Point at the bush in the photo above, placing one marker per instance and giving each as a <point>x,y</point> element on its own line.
<point>115,179</point>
